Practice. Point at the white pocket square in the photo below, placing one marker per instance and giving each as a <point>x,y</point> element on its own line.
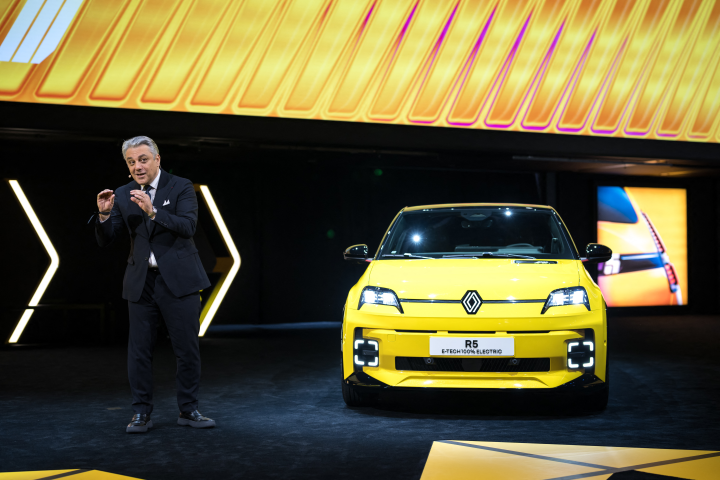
<point>166,202</point>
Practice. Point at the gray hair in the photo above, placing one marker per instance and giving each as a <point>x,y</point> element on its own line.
<point>141,140</point>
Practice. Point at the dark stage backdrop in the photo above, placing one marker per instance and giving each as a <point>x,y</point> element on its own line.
<point>291,213</point>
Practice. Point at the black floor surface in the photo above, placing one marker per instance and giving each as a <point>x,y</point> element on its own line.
<point>275,395</point>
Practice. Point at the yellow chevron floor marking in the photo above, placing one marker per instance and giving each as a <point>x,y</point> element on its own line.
<point>459,460</point>
<point>63,474</point>
<point>31,475</point>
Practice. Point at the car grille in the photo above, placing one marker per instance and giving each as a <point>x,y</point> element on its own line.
<point>472,364</point>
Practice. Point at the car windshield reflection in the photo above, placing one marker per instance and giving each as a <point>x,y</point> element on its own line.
<point>478,233</point>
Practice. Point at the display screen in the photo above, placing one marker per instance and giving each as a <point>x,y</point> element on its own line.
<point>634,69</point>
<point>646,228</point>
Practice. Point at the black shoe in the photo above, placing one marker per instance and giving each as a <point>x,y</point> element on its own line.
<point>139,423</point>
<point>195,419</point>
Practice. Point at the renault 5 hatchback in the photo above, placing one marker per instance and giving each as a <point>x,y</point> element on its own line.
<point>475,296</point>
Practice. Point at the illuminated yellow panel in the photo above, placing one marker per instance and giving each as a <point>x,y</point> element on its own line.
<point>72,63</point>
<point>463,459</point>
<point>707,117</point>
<point>301,19</point>
<point>70,474</point>
<point>528,60</point>
<point>705,48</point>
<point>685,27</point>
<point>330,43</point>
<point>632,68</point>
<point>182,56</point>
<point>422,32</point>
<point>371,50</point>
<point>489,59</point>
<point>640,44</point>
<point>251,21</point>
<point>227,270</point>
<point>444,70</point>
<point>33,475</point>
<point>7,8</point>
<point>597,63</point>
<point>54,261</point>
<point>563,66</point>
<point>13,77</point>
<point>137,43</point>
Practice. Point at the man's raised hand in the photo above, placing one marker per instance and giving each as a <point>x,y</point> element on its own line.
<point>142,200</point>
<point>105,202</point>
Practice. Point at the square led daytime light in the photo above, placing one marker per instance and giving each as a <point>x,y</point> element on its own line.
<point>366,352</point>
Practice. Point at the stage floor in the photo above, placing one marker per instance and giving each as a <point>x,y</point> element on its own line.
<point>275,394</point>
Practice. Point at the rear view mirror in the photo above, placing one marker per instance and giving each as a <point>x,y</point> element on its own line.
<point>357,254</point>
<point>596,253</point>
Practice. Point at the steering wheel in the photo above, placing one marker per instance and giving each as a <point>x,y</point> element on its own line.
<point>520,245</point>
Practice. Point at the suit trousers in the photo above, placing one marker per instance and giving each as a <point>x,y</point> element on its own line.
<point>182,318</point>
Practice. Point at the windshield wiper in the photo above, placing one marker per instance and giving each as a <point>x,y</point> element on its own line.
<point>489,254</point>
<point>408,255</point>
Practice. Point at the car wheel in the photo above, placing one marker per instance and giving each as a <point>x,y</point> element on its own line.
<point>351,395</point>
<point>597,402</point>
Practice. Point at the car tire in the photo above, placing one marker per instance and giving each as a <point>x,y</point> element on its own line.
<point>597,402</point>
<point>351,395</point>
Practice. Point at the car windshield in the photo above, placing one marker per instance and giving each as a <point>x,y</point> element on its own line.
<point>478,232</point>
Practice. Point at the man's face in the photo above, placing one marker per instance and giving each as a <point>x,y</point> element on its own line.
<point>142,164</point>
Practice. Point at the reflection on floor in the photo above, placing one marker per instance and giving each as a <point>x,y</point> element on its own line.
<point>69,474</point>
<point>275,395</point>
<point>461,460</point>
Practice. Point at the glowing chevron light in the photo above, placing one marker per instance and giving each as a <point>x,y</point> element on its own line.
<point>646,69</point>
<point>227,267</point>
<point>52,268</point>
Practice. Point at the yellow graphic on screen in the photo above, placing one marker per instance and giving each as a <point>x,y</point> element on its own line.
<point>631,68</point>
<point>646,228</point>
<point>37,30</point>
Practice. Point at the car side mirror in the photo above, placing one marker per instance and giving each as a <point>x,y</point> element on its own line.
<point>596,253</point>
<point>357,254</point>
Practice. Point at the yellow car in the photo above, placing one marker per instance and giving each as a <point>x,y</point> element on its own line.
<point>475,296</point>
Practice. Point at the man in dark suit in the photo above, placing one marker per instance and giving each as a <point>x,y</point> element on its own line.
<point>163,276</point>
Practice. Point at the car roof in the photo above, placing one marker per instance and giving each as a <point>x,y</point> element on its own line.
<point>460,205</point>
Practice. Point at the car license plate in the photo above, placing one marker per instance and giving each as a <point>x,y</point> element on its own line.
<point>472,346</point>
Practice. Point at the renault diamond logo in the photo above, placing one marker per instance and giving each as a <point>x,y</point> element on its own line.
<point>471,302</point>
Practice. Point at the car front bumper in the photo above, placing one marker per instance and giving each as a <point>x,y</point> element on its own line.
<point>535,338</point>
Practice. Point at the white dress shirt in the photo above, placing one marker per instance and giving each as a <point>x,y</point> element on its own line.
<point>152,262</point>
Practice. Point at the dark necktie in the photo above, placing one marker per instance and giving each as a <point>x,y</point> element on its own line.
<point>148,221</point>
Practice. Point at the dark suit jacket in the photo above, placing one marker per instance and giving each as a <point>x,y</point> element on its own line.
<point>169,236</point>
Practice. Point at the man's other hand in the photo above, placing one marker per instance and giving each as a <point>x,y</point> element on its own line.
<point>142,200</point>
<point>105,202</point>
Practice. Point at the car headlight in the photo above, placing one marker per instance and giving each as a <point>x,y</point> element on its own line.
<point>379,296</point>
<point>567,296</point>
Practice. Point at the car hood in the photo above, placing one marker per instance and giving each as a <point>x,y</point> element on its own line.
<point>494,279</point>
